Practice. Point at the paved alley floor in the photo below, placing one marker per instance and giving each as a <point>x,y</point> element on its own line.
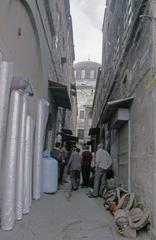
<point>65,217</point>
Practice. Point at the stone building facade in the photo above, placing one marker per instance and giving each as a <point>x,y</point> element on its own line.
<point>36,82</point>
<point>37,37</point>
<point>125,100</point>
<point>85,74</point>
<point>64,57</point>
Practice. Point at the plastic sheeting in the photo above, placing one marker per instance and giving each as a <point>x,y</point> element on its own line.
<point>6,75</point>
<point>28,164</point>
<point>41,121</point>
<point>10,157</point>
<point>20,161</point>
<point>50,175</point>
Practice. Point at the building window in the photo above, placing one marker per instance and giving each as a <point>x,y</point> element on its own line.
<point>90,114</point>
<point>57,10</point>
<point>92,92</point>
<point>92,74</point>
<point>78,74</point>
<point>83,74</point>
<point>128,18</point>
<point>80,133</point>
<point>56,41</point>
<point>82,114</point>
<point>63,42</point>
<point>75,73</point>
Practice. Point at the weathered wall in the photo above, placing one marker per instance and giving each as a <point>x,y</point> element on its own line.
<point>35,35</point>
<point>133,79</point>
<point>128,69</point>
<point>22,42</point>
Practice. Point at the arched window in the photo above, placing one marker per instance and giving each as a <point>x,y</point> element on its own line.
<point>75,73</point>
<point>92,74</point>
<point>83,74</point>
<point>82,114</point>
<point>80,133</point>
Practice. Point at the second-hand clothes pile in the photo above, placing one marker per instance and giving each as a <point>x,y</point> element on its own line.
<point>129,215</point>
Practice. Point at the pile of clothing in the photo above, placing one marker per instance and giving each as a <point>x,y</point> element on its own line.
<point>129,215</point>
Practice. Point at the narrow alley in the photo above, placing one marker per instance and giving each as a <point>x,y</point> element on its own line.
<point>62,216</point>
<point>77,119</point>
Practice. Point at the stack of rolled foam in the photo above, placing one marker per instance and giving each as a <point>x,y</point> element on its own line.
<point>41,121</point>
<point>6,75</point>
<point>28,165</point>
<point>10,158</point>
<point>21,160</point>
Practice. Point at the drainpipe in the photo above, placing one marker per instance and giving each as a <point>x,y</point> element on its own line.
<point>129,156</point>
<point>153,19</point>
<point>153,172</point>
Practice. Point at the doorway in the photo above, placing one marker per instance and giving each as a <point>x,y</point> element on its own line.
<point>123,157</point>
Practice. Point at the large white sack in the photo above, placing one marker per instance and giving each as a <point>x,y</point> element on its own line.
<point>28,164</point>
<point>41,122</point>
<point>10,159</point>
<point>20,161</point>
<point>49,175</point>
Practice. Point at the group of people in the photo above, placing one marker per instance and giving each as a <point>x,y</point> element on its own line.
<point>78,163</point>
<point>62,154</point>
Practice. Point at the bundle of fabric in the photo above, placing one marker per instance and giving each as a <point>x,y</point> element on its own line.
<point>124,224</point>
<point>140,216</point>
<point>135,214</point>
<point>110,184</point>
<point>110,196</point>
<point>111,207</point>
<point>126,202</point>
<point>128,222</point>
<point>114,197</point>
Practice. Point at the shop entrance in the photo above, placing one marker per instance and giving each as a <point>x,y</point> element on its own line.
<point>123,156</point>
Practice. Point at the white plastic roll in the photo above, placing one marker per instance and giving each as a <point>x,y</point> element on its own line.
<point>10,158</point>
<point>50,175</point>
<point>20,161</point>
<point>31,162</point>
<point>28,165</point>
<point>6,75</point>
<point>41,121</point>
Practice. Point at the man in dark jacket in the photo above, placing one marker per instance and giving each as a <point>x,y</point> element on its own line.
<point>86,166</point>
<point>74,166</point>
<point>56,151</point>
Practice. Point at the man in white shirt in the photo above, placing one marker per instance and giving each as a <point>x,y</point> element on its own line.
<point>102,162</point>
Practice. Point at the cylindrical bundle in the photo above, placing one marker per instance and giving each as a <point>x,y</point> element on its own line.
<point>31,162</point>
<point>6,75</point>
<point>50,175</point>
<point>28,165</point>
<point>38,151</point>
<point>10,158</point>
<point>41,121</point>
<point>20,161</point>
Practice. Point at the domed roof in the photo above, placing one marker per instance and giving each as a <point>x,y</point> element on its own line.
<point>87,65</point>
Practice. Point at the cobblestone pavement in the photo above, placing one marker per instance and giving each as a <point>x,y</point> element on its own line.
<point>65,217</point>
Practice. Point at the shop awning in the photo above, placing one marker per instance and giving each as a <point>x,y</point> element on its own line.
<point>112,107</point>
<point>91,142</point>
<point>93,131</point>
<point>60,94</point>
<point>69,138</point>
<point>73,90</point>
<point>67,131</point>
